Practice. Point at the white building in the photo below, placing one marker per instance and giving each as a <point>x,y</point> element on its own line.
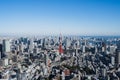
<point>113,60</point>
<point>31,46</point>
<point>112,49</point>
<point>6,62</point>
<point>83,49</point>
<point>68,43</point>
<point>6,45</point>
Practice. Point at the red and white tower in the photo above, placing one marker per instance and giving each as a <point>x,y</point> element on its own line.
<point>60,45</point>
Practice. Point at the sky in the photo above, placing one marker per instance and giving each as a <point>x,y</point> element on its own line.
<point>77,17</point>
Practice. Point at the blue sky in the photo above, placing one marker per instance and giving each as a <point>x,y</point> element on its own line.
<point>82,17</point>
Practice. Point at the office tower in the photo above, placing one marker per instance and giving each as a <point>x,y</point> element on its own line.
<point>63,76</point>
<point>6,61</point>
<point>43,44</point>
<point>96,49</point>
<point>31,45</point>
<point>112,60</point>
<point>68,43</point>
<point>0,55</point>
<point>103,47</point>
<point>1,51</point>
<point>6,45</point>
<point>104,72</point>
<point>118,53</point>
<point>1,48</point>
<point>83,49</point>
<point>112,49</point>
<point>78,43</point>
<point>85,42</point>
<point>118,56</point>
<point>22,47</point>
<point>47,60</point>
<point>76,51</point>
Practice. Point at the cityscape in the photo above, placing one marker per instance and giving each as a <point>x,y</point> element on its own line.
<point>59,39</point>
<point>60,58</point>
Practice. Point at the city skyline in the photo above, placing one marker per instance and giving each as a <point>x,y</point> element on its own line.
<point>84,17</point>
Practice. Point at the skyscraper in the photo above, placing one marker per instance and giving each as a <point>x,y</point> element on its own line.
<point>118,53</point>
<point>112,49</point>
<point>1,51</point>
<point>31,45</point>
<point>6,45</point>
<point>118,56</point>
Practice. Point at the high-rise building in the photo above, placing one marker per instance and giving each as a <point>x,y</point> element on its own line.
<point>6,61</point>
<point>0,55</point>
<point>112,49</point>
<point>96,49</point>
<point>1,51</point>
<point>118,56</point>
<point>6,45</point>
<point>112,60</point>
<point>103,47</point>
<point>118,53</point>
<point>68,43</point>
<point>83,49</point>
<point>31,45</point>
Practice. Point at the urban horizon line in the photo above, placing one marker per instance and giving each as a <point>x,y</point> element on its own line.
<point>56,34</point>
